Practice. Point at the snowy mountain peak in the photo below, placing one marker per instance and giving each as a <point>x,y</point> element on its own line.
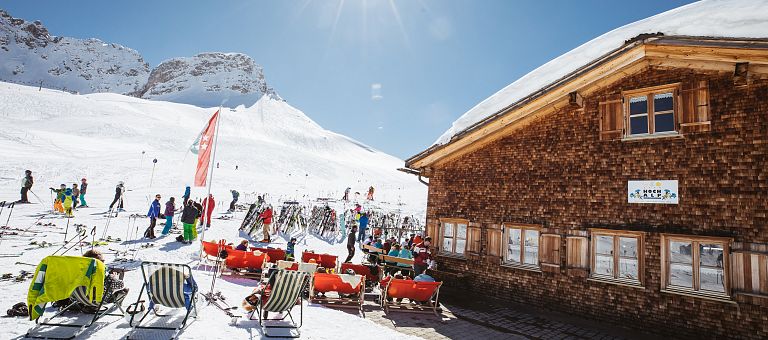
<point>29,54</point>
<point>208,79</point>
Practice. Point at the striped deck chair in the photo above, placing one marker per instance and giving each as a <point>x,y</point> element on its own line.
<point>79,297</point>
<point>285,294</point>
<point>170,285</point>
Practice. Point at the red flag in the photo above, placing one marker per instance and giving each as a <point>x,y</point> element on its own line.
<point>204,153</point>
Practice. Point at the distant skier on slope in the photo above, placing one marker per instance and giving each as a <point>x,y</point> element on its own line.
<point>370,194</point>
<point>235,197</point>
<point>346,194</point>
<point>208,204</point>
<point>26,186</point>
<point>119,191</point>
<point>83,188</point>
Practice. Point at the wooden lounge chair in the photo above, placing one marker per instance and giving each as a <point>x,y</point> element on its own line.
<point>170,285</point>
<point>352,285</point>
<point>426,293</point>
<point>284,295</point>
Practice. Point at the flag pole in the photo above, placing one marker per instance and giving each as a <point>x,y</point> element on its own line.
<point>210,177</point>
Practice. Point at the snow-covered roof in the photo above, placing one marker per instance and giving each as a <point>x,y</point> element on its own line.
<point>708,18</point>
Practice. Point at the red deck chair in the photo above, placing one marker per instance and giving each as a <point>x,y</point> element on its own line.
<point>425,292</point>
<point>275,254</point>
<point>325,283</point>
<point>306,256</point>
<point>245,263</point>
<point>370,279</point>
<point>328,261</point>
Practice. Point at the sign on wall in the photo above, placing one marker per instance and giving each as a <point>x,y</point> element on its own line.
<point>660,192</point>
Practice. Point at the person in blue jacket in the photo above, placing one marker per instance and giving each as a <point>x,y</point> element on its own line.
<point>185,197</point>
<point>153,214</point>
<point>363,225</point>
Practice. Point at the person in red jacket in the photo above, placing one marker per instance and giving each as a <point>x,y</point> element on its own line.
<point>422,254</point>
<point>207,210</point>
<point>267,217</point>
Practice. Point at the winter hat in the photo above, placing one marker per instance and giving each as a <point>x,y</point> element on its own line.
<point>83,179</point>
<point>27,171</point>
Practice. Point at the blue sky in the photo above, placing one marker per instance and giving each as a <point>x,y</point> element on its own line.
<point>393,74</point>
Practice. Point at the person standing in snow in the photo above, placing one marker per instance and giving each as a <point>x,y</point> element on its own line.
<point>363,226</point>
<point>119,190</point>
<point>170,209</point>
<point>83,188</point>
<point>189,219</point>
<point>267,217</point>
<point>346,194</point>
<point>75,195</point>
<point>185,197</point>
<point>208,204</point>
<point>153,214</point>
<point>370,193</point>
<point>351,244</point>
<point>59,198</point>
<point>66,200</point>
<point>26,186</point>
<point>235,197</point>
<point>198,215</point>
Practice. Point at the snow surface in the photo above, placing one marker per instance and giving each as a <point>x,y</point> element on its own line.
<point>708,18</point>
<point>63,137</point>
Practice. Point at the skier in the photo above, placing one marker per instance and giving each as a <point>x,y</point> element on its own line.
<point>170,208</point>
<point>267,217</point>
<point>290,249</point>
<point>346,194</point>
<point>119,190</point>
<point>75,195</point>
<point>235,196</point>
<point>153,214</point>
<point>198,215</point>
<point>363,226</point>
<point>351,244</point>
<point>66,200</point>
<point>26,186</point>
<point>59,198</point>
<point>370,194</point>
<point>185,197</point>
<point>83,187</point>
<point>208,210</point>
<point>189,219</point>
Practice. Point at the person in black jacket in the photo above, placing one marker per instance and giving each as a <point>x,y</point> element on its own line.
<point>119,190</point>
<point>26,186</point>
<point>188,217</point>
<point>351,244</point>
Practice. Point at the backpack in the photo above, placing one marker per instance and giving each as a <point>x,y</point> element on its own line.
<point>19,309</point>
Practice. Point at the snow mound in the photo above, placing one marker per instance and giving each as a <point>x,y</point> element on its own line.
<point>709,18</point>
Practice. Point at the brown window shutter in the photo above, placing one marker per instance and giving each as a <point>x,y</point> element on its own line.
<point>694,107</point>
<point>494,240</point>
<point>740,272</point>
<point>611,113</point>
<point>577,248</point>
<point>549,253</point>
<point>473,238</point>
<point>433,228</point>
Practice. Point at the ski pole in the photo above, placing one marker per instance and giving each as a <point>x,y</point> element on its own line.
<point>93,237</point>
<point>9,214</point>
<point>81,233</point>
<point>66,231</point>
<point>38,197</point>
<point>2,206</point>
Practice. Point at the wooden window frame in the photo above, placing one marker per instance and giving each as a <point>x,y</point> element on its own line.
<point>455,222</point>
<point>649,93</point>
<point>617,234</point>
<point>696,265</point>
<point>505,243</point>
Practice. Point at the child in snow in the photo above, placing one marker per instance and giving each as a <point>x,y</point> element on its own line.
<point>67,200</point>
<point>83,187</point>
<point>290,249</point>
<point>57,204</point>
<point>153,214</point>
<point>170,209</point>
<point>75,195</point>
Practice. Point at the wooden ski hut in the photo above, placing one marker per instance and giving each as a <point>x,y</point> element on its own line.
<point>632,188</point>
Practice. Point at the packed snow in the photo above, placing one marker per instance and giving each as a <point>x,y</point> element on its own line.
<point>708,18</point>
<point>278,151</point>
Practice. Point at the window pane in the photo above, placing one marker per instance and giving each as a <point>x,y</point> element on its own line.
<point>638,105</point>
<point>604,245</point>
<point>513,248</point>
<point>628,247</point>
<point>711,255</point>
<point>664,122</point>
<point>461,233</point>
<point>461,245</point>
<point>447,244</point>
<point>663,102</point>
<point>604,265</point>
<point>532,247</point>
<point>628,268</point>
<point>448,229</point>
<point>680,252</point>
<point>681,275</point>
<point>711,279</point>
<point>638,125</point>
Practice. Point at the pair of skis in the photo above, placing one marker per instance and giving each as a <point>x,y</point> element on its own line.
<point>219,301</point>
